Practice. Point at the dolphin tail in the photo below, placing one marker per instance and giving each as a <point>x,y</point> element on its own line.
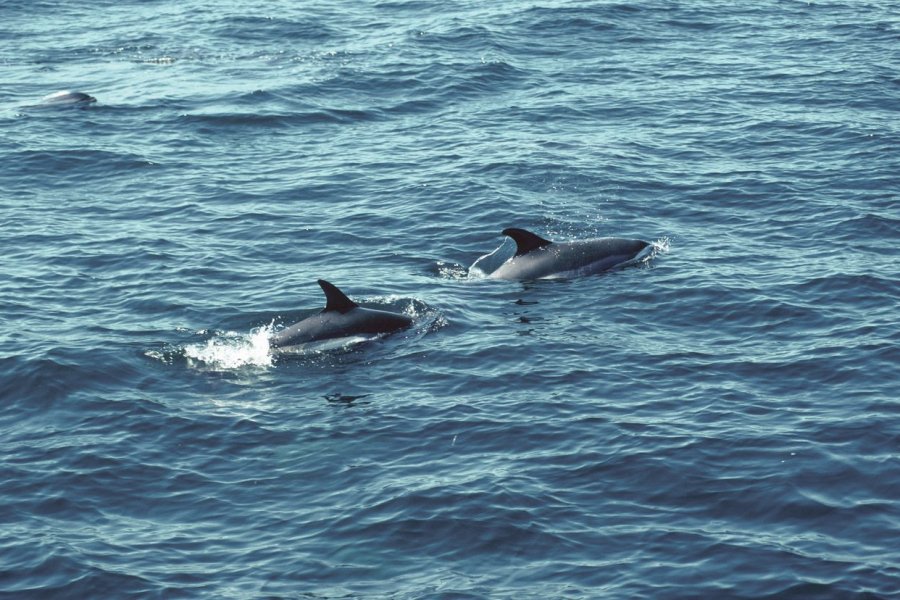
<point>335,299</point>
<point>525,240</point>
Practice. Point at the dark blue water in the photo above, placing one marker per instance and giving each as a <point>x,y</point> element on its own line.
<point>722,421</point>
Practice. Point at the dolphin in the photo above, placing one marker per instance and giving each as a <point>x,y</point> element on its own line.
<point>340,318</point>
<point>66,98</point>
<point>538,258</point>
<point>62,100</point>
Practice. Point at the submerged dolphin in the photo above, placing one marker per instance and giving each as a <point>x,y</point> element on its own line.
<point>341,317</point>
<point>66,98</point>
<point>536,257</point>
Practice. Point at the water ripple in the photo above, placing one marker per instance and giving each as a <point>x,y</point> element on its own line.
<point>719,421</point>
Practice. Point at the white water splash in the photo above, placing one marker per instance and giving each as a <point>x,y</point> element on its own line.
<point>233,350</point>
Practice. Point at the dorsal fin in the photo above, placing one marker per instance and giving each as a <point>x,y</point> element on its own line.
<point>525,240</point>
<point>335,299</point>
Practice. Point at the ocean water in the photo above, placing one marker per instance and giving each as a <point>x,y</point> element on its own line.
<point>720,421</point>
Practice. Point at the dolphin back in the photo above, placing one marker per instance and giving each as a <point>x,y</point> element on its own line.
<point>341,318</point>
<point>67,97</point>
<point>538,258</point>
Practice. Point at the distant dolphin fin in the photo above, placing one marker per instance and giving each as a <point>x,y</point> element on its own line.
<point>525,240</point>
<point>335,299</point>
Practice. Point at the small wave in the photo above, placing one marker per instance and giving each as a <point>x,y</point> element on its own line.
<point>81,160</point>
<point>323,116</point>
<point>252,28</point>
<point>871,226</point>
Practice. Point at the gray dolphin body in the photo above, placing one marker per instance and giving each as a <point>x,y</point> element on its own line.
<point>340,318</point>
<point>537,258</point>
<point>66,98</point>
